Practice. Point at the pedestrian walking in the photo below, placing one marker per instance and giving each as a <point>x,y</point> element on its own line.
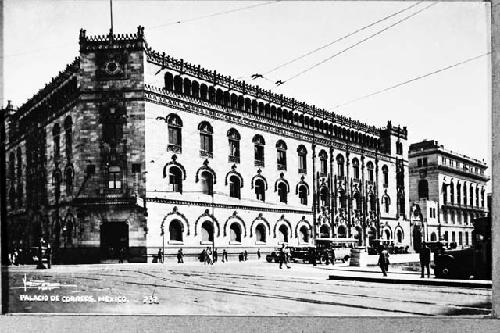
<point>180,257</point>
<point>282,257</point>
<point>246,255</point>
<point>224,255</point>
<point>332,256</point>
<point>425,259</point>
<point>258,253</point>
<point>383,260</point>
<point>209,256</point>
<point>121,255</point>
<point>203,256</point>
<point>215,255</point>
<point>160,255</point>
<point>312,256</point>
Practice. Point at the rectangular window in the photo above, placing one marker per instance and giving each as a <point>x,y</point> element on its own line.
<point>302,163</point>
<point>424,161</point>
<point>174,136</point>
<point>234,148</point>
<point>259,155</point>
<point>281,160</point>
<point>206,143</point>
<point>453,236</point>
<point>114,178</point>
<point>419,162</point>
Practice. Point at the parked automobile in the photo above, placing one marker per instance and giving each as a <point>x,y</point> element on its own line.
<point>301,253</point>
<point>273,256</point>
<point>341,246</point>
<point>454,264</point>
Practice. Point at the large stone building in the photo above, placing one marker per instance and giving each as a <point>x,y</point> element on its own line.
<point>128,147</point>
<point>447,191</point>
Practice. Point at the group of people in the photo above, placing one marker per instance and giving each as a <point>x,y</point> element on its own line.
<point>210,257</point>
<point>424,256</point>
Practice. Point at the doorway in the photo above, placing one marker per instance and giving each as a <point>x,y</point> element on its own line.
<point>114,236</point>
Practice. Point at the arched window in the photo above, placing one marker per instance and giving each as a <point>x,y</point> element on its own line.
<point>433,237</point>
<point>235,232</point>
<point>68,177</point>
<point>206,139</point>
<point>304,234</point>
<point>399,236</point>
<point>471,195</point>
<point>355,168</point>
<point>260,189</point>
<point>207,232</point>
<point>260,233</point>
<point>174,133</point>
<point>369,167</point>
<point>323,196</point>
<point>373,202</point>
<point>340,166</point>
<point>385,171</point>
<point>68,134</point>
<point>341,232</point>
<point>452,193</point>
<point>482,197</point>
<point>283,233</point>
<point>303,194</point>
<point>234,187</point>
<point>175,179</point>
<point>323,169</point>
<point>282,192</point>
<point>342,199</point>
<point>452,216</point>
<point>114,178</point>
<point>207,183</point>
<point>169,81</point>
<point>57,178</point>
<point>302,154</point>
<point>112,126</point>
<point>324,231</point>
<point>281,154</point>
<point>175,230</point>
<point>259,143</point>
<point>465,194</point>
<point>386,200</point>
<point>234,145</point>
<point>356,201</point>
<point>56,130</point>
<point>423,189</point>
<point>387,234</point>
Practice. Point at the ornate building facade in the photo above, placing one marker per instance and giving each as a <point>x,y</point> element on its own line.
<point>447,190</point>
<point>131,148</point>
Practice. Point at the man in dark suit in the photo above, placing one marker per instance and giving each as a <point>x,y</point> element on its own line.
<point>425,259</point>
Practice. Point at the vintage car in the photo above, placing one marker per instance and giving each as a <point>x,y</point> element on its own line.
<point>273,256</point>
<point>454,264</point>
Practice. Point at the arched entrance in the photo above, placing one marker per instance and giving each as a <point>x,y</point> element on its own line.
<point>114,237</point>
<point>283,233</point>
<point>207,232</point>
<point>304,234</point>
<point>260,233</point>
<point>175,230</point>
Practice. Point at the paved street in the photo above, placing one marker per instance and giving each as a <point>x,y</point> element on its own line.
<point>250,288</point>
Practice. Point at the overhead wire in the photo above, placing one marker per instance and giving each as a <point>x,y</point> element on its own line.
<point>358,43</point>
<point>215,14</point>
<point>412,80</point>
<point>340,38</point>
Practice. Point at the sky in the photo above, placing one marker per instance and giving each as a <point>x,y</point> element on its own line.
<point>239,38</point>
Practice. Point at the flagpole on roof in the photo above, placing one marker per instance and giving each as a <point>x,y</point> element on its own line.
<point>111,14</point>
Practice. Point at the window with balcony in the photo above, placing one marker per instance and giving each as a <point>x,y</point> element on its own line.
<point>206,139</point>
<point>281,149</point>
<point>234,145</point>
<point>355,168</point>
<point>174,133</point>
<point>385,172</point>
<point>259,143</point>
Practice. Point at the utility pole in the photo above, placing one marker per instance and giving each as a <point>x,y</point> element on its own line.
<point>111,14</point>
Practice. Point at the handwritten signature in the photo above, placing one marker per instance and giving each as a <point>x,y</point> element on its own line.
<point>42,284</point>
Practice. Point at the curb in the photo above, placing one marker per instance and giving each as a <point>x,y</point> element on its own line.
<point>429,282</point>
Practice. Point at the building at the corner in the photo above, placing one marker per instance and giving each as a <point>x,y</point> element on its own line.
<point>130,148</point>
<point>447,192</point>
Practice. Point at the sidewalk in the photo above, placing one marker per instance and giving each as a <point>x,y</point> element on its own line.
<point>373,274</point>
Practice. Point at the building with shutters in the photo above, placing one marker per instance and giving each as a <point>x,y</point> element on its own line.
<point>447,191</point>
<point>131,148</point>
